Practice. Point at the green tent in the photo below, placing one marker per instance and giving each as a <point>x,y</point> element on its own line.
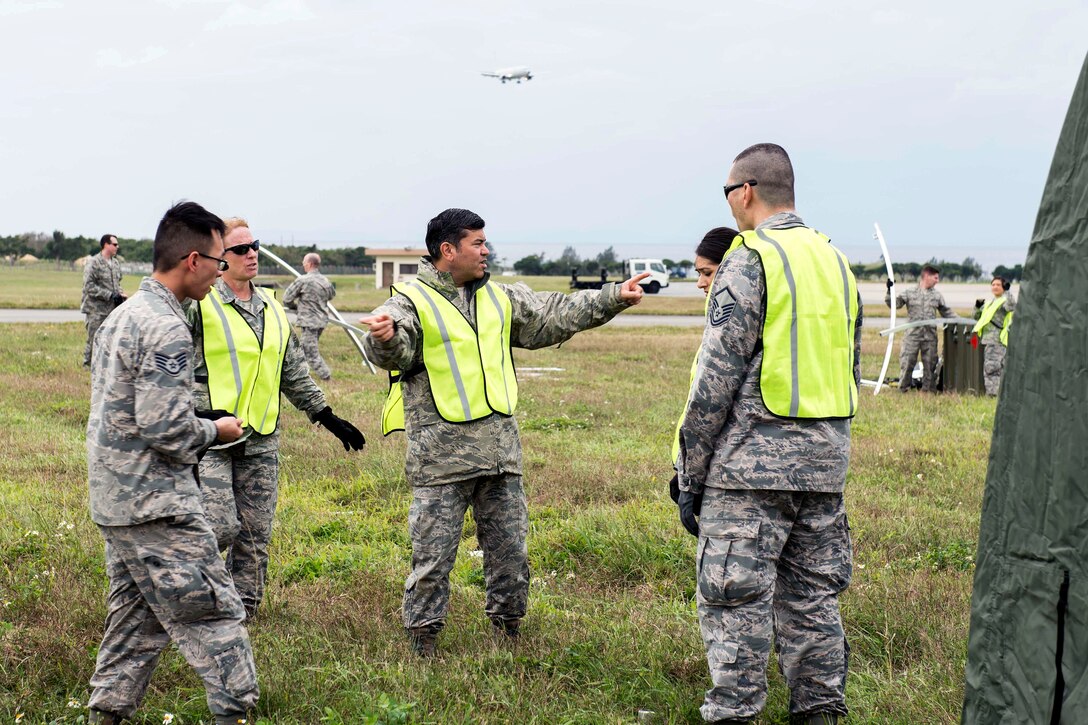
<point>1027,659</point>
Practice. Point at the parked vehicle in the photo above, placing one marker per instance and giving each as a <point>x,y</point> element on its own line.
<point>659,276</point>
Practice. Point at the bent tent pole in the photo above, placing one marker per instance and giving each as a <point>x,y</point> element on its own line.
<point>336,316</point>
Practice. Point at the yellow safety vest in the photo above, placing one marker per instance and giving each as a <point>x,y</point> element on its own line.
<point>987,315</point>
<point>737,241</point>
<point>808,327</point>
<point>471,371</point>
<point>1004,336</point>
<point>244,372</point>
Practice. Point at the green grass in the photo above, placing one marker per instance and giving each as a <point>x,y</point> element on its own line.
<point>611,626</point>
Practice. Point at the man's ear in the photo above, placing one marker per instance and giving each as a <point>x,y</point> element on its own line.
<point>447,250</point>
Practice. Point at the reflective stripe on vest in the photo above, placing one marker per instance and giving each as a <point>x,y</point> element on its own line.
<point>988,313</point>
<point>1004,336</point>
<point>808,327</point>
<point>471,371</point>
<point>244,372</point>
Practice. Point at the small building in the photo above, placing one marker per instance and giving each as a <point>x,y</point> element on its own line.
<point>395,265</point>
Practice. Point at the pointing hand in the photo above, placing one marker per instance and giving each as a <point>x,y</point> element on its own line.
<point>631,291</point>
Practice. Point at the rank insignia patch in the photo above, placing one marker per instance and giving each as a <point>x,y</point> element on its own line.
<point>721,307</point>
<point>172,365</point>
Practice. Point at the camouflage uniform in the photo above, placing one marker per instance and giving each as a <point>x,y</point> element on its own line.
<point>310,295</point>
<point>774,546</point>
<point>921,304</point>
<point>167,582</point>
<point>993,352</point>
<point>454,465</point>
<point>241,483</point>
<point>101,285</point>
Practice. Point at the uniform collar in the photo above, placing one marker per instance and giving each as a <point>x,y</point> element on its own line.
<point>157,288</point>
<point>228,296</point>
<point>781,220</point>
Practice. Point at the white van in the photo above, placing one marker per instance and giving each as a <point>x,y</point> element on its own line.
<point>659,276</point>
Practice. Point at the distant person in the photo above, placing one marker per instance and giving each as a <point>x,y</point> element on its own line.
<point>764,452</point>
<point>167,582</point>
<point>923,303</point>
<point>101,290</point>
<point>994,319</point>
<point>246,357</point>
<point>708,255</point>
<point>447,339</point>
<point>310,295</point>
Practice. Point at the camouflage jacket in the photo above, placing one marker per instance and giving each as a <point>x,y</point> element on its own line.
<point>439,452</point>
<point>729,439</point>
<point>142,436</point>
<point>295,380</point>
<point>309,295</point>
<point>992,333</point>
<point>921,304</point>
<point>101,281</point>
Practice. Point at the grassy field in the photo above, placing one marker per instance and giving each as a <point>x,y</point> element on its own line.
<point>43,286</point>
<point>611,626</point>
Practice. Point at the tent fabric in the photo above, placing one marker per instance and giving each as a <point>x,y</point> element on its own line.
<point>1027,659</point>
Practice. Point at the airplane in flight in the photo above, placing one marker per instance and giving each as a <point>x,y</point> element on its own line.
<point>511,74</point>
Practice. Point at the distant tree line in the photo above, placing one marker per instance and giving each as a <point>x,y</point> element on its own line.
<point>62,248</point>
<point>966,271</point>
<point>540,265</point>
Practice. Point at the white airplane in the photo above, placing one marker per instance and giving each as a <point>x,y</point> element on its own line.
<point>511,74</point>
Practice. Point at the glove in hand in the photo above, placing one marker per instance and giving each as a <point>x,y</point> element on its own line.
<point>117,300</point>
<point>979,303</point>
<point>674,488</point>
<point>212,414</point>
<point>690,504</point>
<point>348,434</point>
<point>890,283</point>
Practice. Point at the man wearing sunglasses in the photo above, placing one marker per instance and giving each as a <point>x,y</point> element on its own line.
<point>246,356</point>
<point>764,448</point>
<point>101,290</point>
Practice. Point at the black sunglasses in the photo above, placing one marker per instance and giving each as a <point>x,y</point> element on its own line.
<point>240,249</point>
<point>730,188</point>
<point>221,263</point>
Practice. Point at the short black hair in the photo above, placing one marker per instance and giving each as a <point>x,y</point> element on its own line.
<point>450,226</point>
<point>186,227</point>
<point>770,166</point>
<point>931,269</point>
<point>105,240</point>
<point>716,243</point>
<point>1005,283</point>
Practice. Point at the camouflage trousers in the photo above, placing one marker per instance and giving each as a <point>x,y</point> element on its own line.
<point>993,365</point>
<point>913,344</point>
<point>770,567</point>
<point>240,494</point>
<point>92,322</point>
<point>308,337</point>
<point>167,583</point>
<point>435,521</point>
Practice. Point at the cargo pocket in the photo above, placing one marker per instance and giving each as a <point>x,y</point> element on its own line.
<point>730,569</point>
<point>189,591</point>
<point>234,659</point>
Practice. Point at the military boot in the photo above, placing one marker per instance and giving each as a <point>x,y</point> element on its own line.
<point>506,629</point>
<point>423,642</point>
<point>815,718</point>
<point>234,718</point>
<point>97,717</point>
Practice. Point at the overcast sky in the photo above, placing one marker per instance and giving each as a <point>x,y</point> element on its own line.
<point>342,122</point>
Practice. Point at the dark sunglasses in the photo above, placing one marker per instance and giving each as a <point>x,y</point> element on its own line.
<point>241,249</point>
<point>221,263</point>
<point>730,188</point>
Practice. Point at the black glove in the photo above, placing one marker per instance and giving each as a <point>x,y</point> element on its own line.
<point>690,504</point>
<point>674,488</point>
<point>212,414</point>
<point>890,283</point>
<point>979,304</point>
<point>117,299</point>
<point>348,434</point>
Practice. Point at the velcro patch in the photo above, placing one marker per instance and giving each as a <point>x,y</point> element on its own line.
<point>721,307</point>
<point>172,365</point>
